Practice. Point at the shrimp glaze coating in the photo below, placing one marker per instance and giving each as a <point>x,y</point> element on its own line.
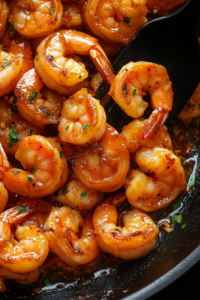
<point>164,6</point>
<point>28,248</point>
<point>103,166</point>
<point>56,67</point>
<point>44,169</point>
<point>130,85</point>
<point>83,119</point>
<point>36,104</point>
<point>4,11</point>
<point>152,192</point>
<point>71,18</point>
<point>62,229</point>
<point>137,238</point>
<point>35,18</point>
<point>116,21</point>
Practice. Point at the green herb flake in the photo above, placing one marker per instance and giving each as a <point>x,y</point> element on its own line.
<point>79,76</point>
<point>46,112</point>
<point>32,96</point>
<point>155,12</point>
<point>31,131</point>
<point>199,106</point>
<point>15,111</point>
<point>197,122</point>
<point>177,204</point>
<point>67,127</point>
<point>192,181</point>
<point>13,137</point>
<point>174,129</point>
<point>11,27</point>
<point>83,194</point>
<point>33,169</point>
<point>4,64</point>
<point>21,209</point>
<point>30,179</point>
<point>134,92</point>
<point>69,163</point>
<point>16,172</point>
<point>177,219</point>
<point>89,145</point>
<point>61,154</point>
<point>125,86</point>
<point>15,100</point>
<point>85,126</point>
<point>127,20</point>
<point>61,145</point>
<point>47,282</point>
<point>65,191</point>
<point>183,226</point>
<point>52,10</point>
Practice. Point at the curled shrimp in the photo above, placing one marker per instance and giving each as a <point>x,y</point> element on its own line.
<point>33,19</point>
<point>78,196</point>
<point>71,237</point>
<point>83,119</point>
<point>103,166</point>
<point>43,164</point>
<point>4,11</point>
<point>13,126</point>
<point>115,21</point>
<point>163,7</point>
<point>136,239</point>
<point>37,104</point>
<point>133,133</point>
<point>191,109</point>
<point>71,18</point>
<point>130,85</point>
<point>28,248</point>
<point>56,67</point>
<point>164,181</point>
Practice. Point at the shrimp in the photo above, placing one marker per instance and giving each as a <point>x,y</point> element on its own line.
<point>30,248</point>
<point>191,109</point>
<point>56,67</point>
<point>83,119</point>
<point>133,133</point>
<point>164,181</point>
<point>34,19</point>
<point>71,18</point>
<point>37,105</point>
<point>4,11</point>
<point>95,81</point>
<point>103,166</point>
<point>44,168</point>
<point>71,237</point>
<point>78,196</point>
<point>115,21</point>
<point>130,85</point>
<point>3,197</point>
<point>137,238</point>
<point>13,126</point>
<point>163,7</point>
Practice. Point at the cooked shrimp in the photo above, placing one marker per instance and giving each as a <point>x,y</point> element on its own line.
<point>3,197</point>
<point>109,48</point>
<point>71,18</point>
<point>103,166</point>
<point>43,164</point>
<point>115,21</point>
<point>4,11</point>
<point>133,133</point>
<point>71,237</point>
<point>164,181</point>
<point>13,126</point>
<point>83,119</point>
<point>56,67</point>
<point>95,81</point>
<point>164,6</point>
<point>137,238</point>
<point>33,19</point>
<point>37,105</point>
<point>30,248</point>
<point>130,85</point>
<point>191,109</point>
<point>78,196</point>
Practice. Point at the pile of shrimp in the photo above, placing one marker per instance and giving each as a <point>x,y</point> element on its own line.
<point>66,168</point>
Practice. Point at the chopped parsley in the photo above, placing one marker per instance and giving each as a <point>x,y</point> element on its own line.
<point>21,209</point>
<point>79,76</point>
<point>32,96</point>
<point>197,122</point>
<point>125,86</point>
<point>5,62</point>
<point>69,163</point>
<point>67,127</point>
<point>30,179</point>
<point>47,282</point>
<point>61,154</point>
<point>127,20</point>
<point>177,219</point>
<point>11,27</point>
<point>174,129</point>
<point>134,92</point>
<point>155,12</point>
<point>177,204</point>
<point>52,10</point>
<point>33,169</point>
<point>61,145</point>
<point>199,106</point>
<point>83,194</point>
<point>89,145</point>
<point>46,112</point>
<point>65,191</point>
<point>15,111</point>
<point>85,126</point>
<point>13,137</point>
<point>31,131</point>
<point>14,100</point>
<point>192,181</point>
<point>16,172</point>
<point>183,226</point>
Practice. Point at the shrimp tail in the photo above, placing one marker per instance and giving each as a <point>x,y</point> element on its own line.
<point>102,64</point>
<point>154,123</point>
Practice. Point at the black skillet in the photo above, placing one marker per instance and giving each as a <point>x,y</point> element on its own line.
<point>175,253</point>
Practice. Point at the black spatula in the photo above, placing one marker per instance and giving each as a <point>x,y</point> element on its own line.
<point>170,41</point>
